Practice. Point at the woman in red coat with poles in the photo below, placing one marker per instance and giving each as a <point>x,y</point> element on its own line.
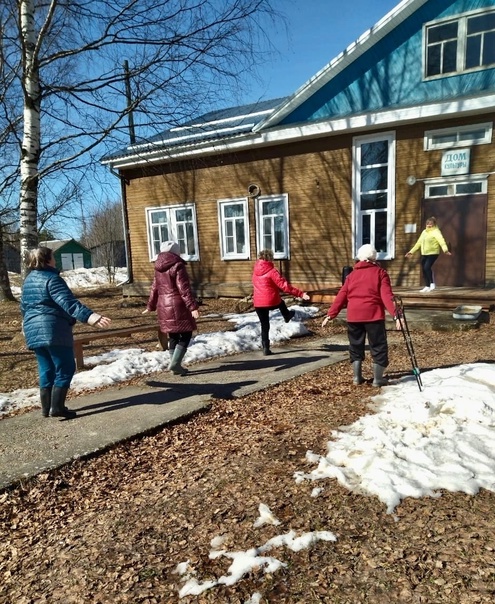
<point>171,296</point>
<point>366,293</point>
<point>267,283</point>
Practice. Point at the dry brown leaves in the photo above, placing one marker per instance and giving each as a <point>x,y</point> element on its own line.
<point>112,529</point>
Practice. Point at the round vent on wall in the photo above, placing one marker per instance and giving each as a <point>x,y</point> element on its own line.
<point>253,190</point>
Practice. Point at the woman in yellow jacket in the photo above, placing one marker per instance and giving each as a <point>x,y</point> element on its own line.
<point>431,242</point>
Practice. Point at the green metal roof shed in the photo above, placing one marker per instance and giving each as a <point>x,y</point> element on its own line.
<point>69,254</point>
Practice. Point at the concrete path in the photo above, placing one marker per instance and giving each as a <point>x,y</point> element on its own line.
<point>31,444</point>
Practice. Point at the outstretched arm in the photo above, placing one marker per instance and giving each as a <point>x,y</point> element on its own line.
<point>443,244</point>
<point>416,246</point>
<point>286,287</point>
<point>338,304</point>
<point>386,293</point>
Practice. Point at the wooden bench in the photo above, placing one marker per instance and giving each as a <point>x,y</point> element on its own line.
<point>86,338</point>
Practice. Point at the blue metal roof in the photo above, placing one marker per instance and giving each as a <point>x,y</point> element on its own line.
<point>212,126</point>
<point>376,80</point>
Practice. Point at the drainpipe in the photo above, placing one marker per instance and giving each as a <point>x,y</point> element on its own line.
<point>125,219</point>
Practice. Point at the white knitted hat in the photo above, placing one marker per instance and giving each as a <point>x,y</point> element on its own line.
<point>366,252</point>
<point>170,246</point>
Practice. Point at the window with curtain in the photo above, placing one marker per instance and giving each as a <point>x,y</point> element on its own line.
<point>272,225</point>
<point>233,217</point>
<point>177,223</point>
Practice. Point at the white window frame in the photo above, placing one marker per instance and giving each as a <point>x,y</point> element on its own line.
<point>260,235</point>
<point>358,141</point>
<point>462,21</point>
<point>453,182</point>
<point>222,220</point>
<point>457,135</point>
<point>174,233</point>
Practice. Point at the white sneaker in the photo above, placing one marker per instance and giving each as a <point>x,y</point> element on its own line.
<point>432,287</point>
<point>424,290</point>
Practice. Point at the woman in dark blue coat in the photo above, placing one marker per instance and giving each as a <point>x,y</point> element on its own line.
<point>49,310</point>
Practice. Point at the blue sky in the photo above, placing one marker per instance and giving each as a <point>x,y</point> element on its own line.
<point>318,30</point>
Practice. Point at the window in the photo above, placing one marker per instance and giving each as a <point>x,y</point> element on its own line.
<point>374,193</point>
<point>462,136</point>
<point>233,218</point>
<point>458,45</point>
<point>456,186</point>
<point>441,49</point>
<point>272,220</point>
<point>177,223</point>
<point>480,41</point>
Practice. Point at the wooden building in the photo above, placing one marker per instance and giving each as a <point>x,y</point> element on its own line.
<point>396,128</point>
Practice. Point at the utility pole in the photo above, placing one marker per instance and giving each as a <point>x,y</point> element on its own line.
<point>132,133</point>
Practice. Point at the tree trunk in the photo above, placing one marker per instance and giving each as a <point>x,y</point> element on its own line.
<point>6,294</point>
<point>5,290</point>
<point>31,142</point>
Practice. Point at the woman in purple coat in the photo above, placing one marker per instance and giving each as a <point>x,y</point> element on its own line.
<point>171,296</point>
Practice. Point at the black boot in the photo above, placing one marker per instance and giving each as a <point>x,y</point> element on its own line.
<point>266,348</point>
<point>357,373</point>
<point>58,408</point>
<point>290,316</point>
<point>378,379</point>
<point>46,401</point>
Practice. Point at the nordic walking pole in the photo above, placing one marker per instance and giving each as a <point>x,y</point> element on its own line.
<point>399,313</point>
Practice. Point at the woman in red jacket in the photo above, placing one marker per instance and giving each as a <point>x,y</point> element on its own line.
<point>171,296</point>
<point>366,293</point>
<point>267,283</point>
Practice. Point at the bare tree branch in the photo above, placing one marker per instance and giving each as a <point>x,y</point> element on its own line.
<point>62,86</point>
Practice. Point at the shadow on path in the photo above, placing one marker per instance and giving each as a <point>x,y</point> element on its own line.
<point>168,392</point>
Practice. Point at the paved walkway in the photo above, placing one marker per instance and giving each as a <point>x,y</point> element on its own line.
<point>30,444</point>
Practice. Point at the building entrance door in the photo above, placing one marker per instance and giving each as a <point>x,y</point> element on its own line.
<point>462,220</point>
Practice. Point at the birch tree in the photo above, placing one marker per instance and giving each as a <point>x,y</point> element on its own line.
<point>64,59</point>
